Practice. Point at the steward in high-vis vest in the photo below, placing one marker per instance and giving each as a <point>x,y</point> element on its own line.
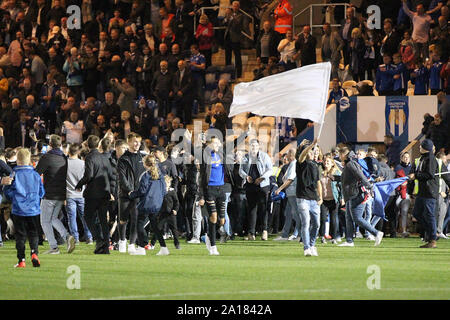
<point>283,16</point>
<point>425,170</point>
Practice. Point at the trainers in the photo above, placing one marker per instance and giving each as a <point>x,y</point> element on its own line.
<point>371,237</point>
<point>442,236</point>
<point>178,247</point>
<point>328,237</point>
<point>139,251</point>
<point>35,260</point>
<point>149,247</point>
<point>280,238</point>
<point>346,244</point>
<point>307,252</point>
<point>264,235</point>
<point>359,235</point>
<point>70,244</point>
<point>1,244</point>
<point>431,244</point>
<point>131,248</point>
<point>52,251</point>
<point>208,243</point>
<point>314,252</point>
<point>20,264</point>
<point>378,238</point>
<point>292,238</point>
<point>405,234</point>
<point>339,239</point>
<point>193,240</point>
<point>334,241</point>
<point>213,251</point>
<point>223,238</point>
<point>163,252</point>
<point>252,237</point>
<point>90,241</point>
<point>122,246</point>
<point>323,240</point>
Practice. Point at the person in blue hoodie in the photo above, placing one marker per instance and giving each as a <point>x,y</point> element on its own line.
<point>25,193</point>
<point>436,82</point>
<point>384,78</point>
<point>400,75</point>
<point>420,78</point>
<point>151,192</point>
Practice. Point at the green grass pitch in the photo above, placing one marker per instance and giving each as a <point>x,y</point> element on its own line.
<point>244,270</point>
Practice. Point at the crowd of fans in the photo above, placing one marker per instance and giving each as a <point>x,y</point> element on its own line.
<point>138,70</point>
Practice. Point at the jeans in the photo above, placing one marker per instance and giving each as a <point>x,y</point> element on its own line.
<point>424,213</point>
<point>74,207</point>
<point>309,216</point>
<point>194,216</point>
<point>291,212</point>
<point>50,210</point>
<point>368,215</point>
<point>354,213</point>
<point>227,225</point>
<point>441,212</point>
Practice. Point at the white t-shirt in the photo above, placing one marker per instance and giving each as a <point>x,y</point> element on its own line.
<point>290,174</point>
<point>73,131</point>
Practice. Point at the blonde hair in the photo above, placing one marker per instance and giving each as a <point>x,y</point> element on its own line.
<point>333,168</point>
<point>168,180</point>
<point>151,166</point>
<point>218,108</point>
<point>356,33</point>
<point>24,156</point>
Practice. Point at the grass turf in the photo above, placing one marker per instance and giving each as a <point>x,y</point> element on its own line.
<point>244,270</point>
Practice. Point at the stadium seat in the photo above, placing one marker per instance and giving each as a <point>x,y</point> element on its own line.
<point>228,73</point>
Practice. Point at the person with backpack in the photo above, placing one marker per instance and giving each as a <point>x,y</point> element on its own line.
<point>150,194</point>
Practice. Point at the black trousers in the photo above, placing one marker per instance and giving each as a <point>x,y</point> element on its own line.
<point>95,210</point>
<point>329,207</point>
<point>184,110</point>
<point>142,236</point>
<point>235,48</point>
<point>215,200</point>
<point>257,206</point>
<point>128,212</point>
<point>26,227</point>
<point>239,213</point>
<point>171,221</point>
<point>190,200</point>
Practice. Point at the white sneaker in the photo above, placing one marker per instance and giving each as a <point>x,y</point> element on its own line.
<point>123,246</point>
<point>371,237</point>
<point>314,252</point>
<point>264,236</point>
<point>359,235</point>
<point>346,244</point>
<point>213,251</point>
<point>333,241</point>
<point>339,239</point>
<point>208,243</point>
<point>280,238</point>
<point>292,238</point>
<point>163,252</point>
<point>193,240</point>
<point>131,248</point>
<point>442,236</point>
<point>378,238</point>
<point>323,240</point>
<point>307,252</point>
<point>139,251</point>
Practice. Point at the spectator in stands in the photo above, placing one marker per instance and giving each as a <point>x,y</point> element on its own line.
<point>421,28</point>
<point>347,26</point>
<point>306,47</point>
<point>53,166</point>
<point>267,43</point>
<point>72,67</point>
<point>73,128</point>
<point>420,78</point>
<point>435,67</point>
<point>234,21</point>
<point>167,21</point>
<point>198,67</point>
<point>331,47</point>
<point>183,92</point>
<point>336,93</point>
<point>385,79</point>
<point>205,38</point>
<point>184,23</point>
<point>438,133</point>
<point>162,88</point>
<point>286,48</point>
<point>357,51</point>
<point>391,40</point>
<point>392,150</point>
<point>400,76</point>
<point>407,50</point>
<point>125,92</point>
<point>283,15</point>
<point>151,39</point>
<point>223,95</point>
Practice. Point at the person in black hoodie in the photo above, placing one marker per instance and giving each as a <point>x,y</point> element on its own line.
<point>53,165</point>
<point>99,179</point>
<point>428,193</point>
<point>130,168</point>
<point>194,200</point>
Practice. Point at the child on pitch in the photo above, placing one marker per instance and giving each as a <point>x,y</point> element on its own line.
<point>168,214</point>
<point>151,192</point>
<point>25,193</point>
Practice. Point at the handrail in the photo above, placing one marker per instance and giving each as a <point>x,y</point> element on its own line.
<point>310,8</point>
<point>252,31</point>
<point>412,143</point>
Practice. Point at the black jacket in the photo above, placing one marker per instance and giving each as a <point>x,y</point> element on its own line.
<point>127,181</point>
<point>193,181</point>
<point>184,86</point>
<point>274,40</point>
<point>425,174</point>
<point>352,179</point>
<point>170,203</point>
<point>98,176</point>
<point>53,165</point>
<point>307,48</point>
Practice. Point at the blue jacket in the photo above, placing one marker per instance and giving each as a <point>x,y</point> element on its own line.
<point>421,81</point>
<point>385,81</point>
<point>436,82</point>
<point>402,82</point>
<point>263,164</point>
<point>150,193</point>
<point>334,97</point>
<point>25,192</point>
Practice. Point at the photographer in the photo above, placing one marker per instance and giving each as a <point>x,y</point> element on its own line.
<point>72,67</point>
<point>126,94</point>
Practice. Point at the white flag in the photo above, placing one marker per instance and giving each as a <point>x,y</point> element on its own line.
<point>298,93</point>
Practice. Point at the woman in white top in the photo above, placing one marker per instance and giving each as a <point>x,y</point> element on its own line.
<point>286,48</point>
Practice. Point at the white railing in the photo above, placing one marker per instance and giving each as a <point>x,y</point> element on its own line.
<point>310,9</point>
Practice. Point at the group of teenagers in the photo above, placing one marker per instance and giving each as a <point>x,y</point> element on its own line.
<point>116,183</point>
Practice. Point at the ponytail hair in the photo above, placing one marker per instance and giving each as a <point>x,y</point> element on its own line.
<point>151,166</point>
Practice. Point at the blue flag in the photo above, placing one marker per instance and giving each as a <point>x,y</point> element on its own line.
<point>382,191</point>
